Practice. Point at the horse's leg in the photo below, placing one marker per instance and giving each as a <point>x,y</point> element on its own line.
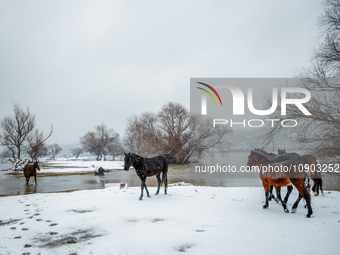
<point>266,191</point>
<point>294,208</point>
<point>35,178</point>
<point>271,196</point>
<point>142,187</point>
<point>289,190</point>
<point>299,184</point>
<point>27,179</point>
<point>165,181</point>
<point>159,182</point>
<point>146,188</point>
<point>278,192</point>
<point>314,186</point>
<point>306,196</point>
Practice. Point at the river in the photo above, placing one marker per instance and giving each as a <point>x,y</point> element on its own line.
<point>10,185</point>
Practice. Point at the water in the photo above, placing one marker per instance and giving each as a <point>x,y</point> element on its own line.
<point>10,185</point>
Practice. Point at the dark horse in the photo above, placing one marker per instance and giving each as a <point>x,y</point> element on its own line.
<point>315,171</point>
<point>31,170</point>
<point>148,167</point>
<point>289,174</point>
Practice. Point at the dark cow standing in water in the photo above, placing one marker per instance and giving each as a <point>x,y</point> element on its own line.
<point>31,170</point>
<point>148,167</point>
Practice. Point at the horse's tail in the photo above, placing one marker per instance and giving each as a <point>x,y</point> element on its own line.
<point>307,177</point>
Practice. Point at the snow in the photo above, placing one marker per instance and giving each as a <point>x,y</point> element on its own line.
<point>78,166</point>
<point>190,219</point>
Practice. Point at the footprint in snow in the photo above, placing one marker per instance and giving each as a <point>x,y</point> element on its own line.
<point>52,233</point>
<point>184,247</point>
<point>157,220</point>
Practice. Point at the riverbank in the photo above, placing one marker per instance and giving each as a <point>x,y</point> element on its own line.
<point>191,219</point>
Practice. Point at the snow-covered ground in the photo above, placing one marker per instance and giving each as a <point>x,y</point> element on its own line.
<point>190,219</point>
<point>77,166</point>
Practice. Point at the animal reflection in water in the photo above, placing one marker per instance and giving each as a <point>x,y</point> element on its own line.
<point>31,170</point>
<point>30,189</point>
<point>146,167</point>
<point>300,179</point>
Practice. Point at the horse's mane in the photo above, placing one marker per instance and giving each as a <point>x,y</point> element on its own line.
<point>137,156</point>
<point>261,155</point>
<point>269,154</point>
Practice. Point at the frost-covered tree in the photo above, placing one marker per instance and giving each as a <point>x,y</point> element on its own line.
<point>101,142</point>
<point>14,131</point>
<point>54,150</point>
<point>173,133</point>
<point>77,151</point>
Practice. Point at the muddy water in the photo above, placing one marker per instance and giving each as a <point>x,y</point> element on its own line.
<point>10,185</point>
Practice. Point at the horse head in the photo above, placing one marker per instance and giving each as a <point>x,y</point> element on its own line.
<point>256,158</point>
<point>279,152</point>
<point>36,164</point>
<point>127,161</point>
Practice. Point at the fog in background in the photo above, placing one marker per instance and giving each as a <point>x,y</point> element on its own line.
<point>78,64</point>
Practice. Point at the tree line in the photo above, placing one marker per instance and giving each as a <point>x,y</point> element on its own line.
<point>172,132</point>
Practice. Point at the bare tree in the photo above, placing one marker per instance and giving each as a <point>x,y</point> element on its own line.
<point>133,140</point>
<point>319,133</point>
<point>15,130</point>
<point>204,138</point>
<point>54,150</point>
<point>173,133</point>
<point>100,142</point>
<point>77,151</point>
<point>36,147</point>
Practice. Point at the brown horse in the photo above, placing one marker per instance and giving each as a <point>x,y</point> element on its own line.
<point>288,173</point>
<point>148,167</point>
<point>277,188</point>
<point>314,167</point>
<point>31,170</point>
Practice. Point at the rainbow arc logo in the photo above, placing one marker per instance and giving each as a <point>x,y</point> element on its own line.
<point>209,93</point>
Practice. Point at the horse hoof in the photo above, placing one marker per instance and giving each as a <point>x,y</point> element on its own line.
<point>286,211</point>
<point>308,215</point>
<point>277,200</point>
<point>140,199</point>
<point>265,207</point>
<point>316,194</point>
<point>294,210</point>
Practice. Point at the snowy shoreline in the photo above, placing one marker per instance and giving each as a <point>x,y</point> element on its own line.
<point>191,219</point>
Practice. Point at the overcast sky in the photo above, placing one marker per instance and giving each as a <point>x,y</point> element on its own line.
<point>78,64</point>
